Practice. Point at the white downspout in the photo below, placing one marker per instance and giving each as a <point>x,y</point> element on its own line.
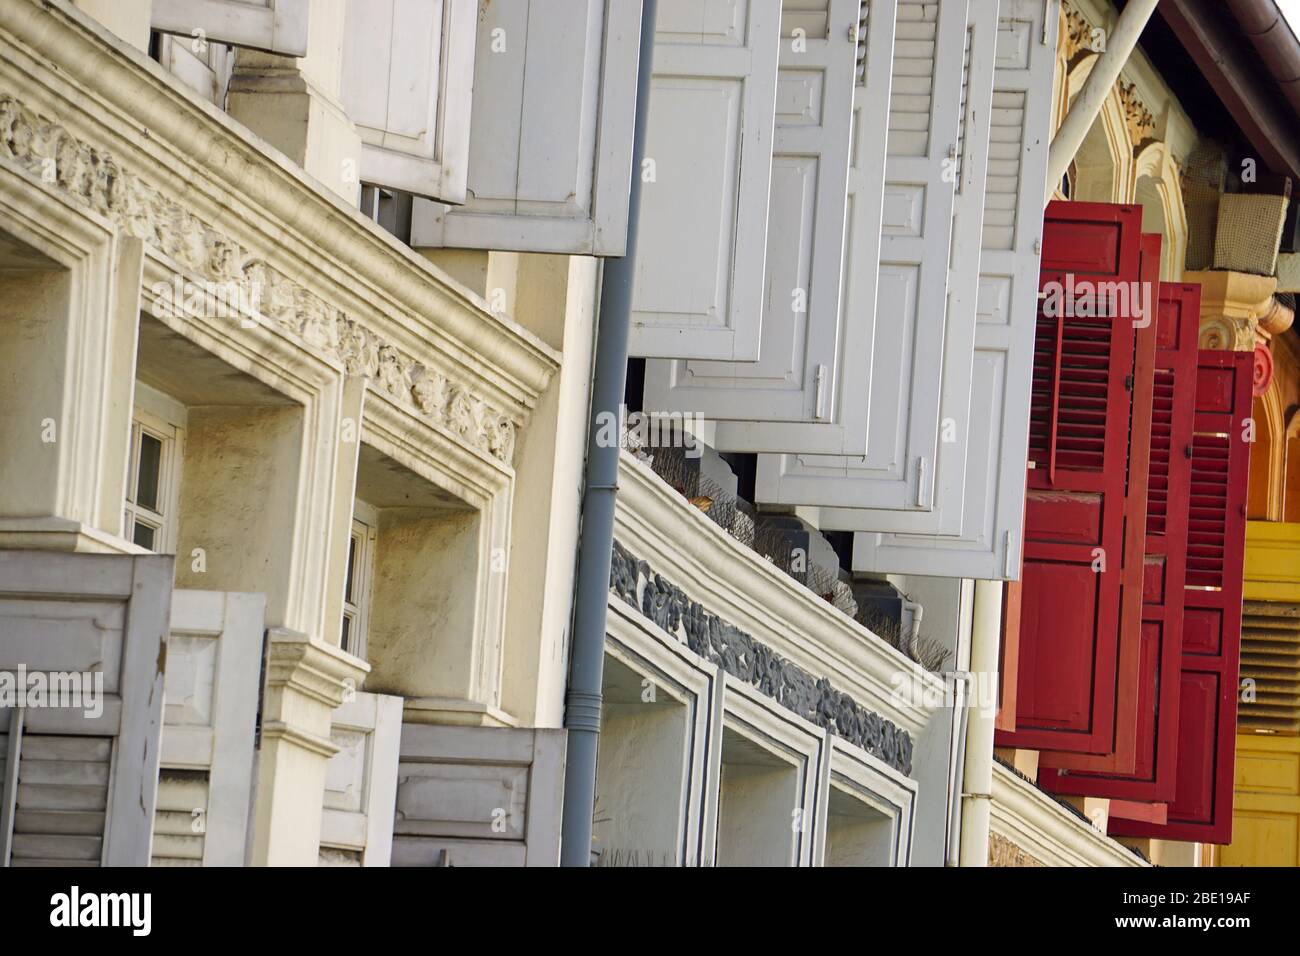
<point>1085,107</point>
<point>977,776</point>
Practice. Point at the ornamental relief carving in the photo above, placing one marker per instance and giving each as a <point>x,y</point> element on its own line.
<point>92,176</point>
<point>1002,852</point>
<point>744,658</point>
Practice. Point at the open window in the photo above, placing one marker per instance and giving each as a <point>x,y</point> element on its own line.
<point>362,543</point>
<point>408,72</point>
<point>202,66</point>
<point>154,470</point>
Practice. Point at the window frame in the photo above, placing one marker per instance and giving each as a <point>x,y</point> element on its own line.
<point>164,419</point>
<point>361,572</point>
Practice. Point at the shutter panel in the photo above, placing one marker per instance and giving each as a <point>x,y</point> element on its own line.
<point>989,545</point>
<point>894,489</point>
<point>408,72</point>
<point>841,427</point>
<point>796,373</point>
<point>277,26</point>
<point>1160,656</point>
<point>549,158</point>
<point>361,782</point>
<point>479,796</point>
<point>80,781</point>
<point>1201,809</point>
<point>214,668</point>
<point>1078,459</point>
<point>698,291</point>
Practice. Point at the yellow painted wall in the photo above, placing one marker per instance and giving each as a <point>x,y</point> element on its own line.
<point>1266,810</point>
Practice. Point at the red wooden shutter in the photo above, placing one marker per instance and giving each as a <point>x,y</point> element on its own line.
<point>1121,756</point>
<point>1201,809</point>
<point>1078,453</point>
<point>1169,486</point>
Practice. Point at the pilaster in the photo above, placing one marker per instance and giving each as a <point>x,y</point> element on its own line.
<point>306,680</point>
<point>1232,305</point>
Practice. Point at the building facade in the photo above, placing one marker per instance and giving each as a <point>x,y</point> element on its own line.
<point>912,563</point>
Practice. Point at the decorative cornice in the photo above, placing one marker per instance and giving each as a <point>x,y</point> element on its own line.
<point>1031,820</point>
<point>1077,34</point>
<point>746,659</point>
<point>1141,124</point>
<point>128,140</point>
<point>94,178</point>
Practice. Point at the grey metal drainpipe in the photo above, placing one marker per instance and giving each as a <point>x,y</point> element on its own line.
<point>582,703</point>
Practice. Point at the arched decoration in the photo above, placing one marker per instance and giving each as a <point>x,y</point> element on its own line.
<point>1104,164</point>
<point>1263,374</point>
<point>1159,192</point>
<point>1291,468</point>
<point>1267,458</point>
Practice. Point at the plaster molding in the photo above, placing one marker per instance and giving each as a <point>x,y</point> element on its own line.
<point>1232,303</point>
<point>182,176</point>
<point>1031,820</point>
<point>721,574</point>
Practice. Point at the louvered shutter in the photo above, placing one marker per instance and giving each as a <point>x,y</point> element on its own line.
<point>1201,809</point>
<point>1078,456</point>
<point>214,668</point>
<point>277,26</point>
<point>408,73</point>
<point>795,375</point>
<point>361,782</point>
<point>894,488</point>
<point>989,545</point>
<point>80,782</point>
<point>1160,653</point>
<point>1121,756</point>
<point>698,291</point>
<point>550,142</point>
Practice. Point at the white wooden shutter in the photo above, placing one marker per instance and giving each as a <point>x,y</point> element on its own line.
<point>550,146</point>
<point>479,796</point>
<point>361,782</point>
<point>927,498</point>
<point>408,73</point>
<point>993,517</point>
<point>79,783</point>
<point>842,393</point>
<point>214,667</point>
<point>794,375</point>
<point>698,291</point>
<point>925,120</point>
<point>277,26</point>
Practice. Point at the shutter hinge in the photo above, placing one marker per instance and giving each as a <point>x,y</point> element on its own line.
<point>1188,452</point>
<point>1047,21</point>
<point>1008,565</point>
<point>1038,246</point>
<point>920,482</point>
<point>1128,382</point>
<point>819,384</point>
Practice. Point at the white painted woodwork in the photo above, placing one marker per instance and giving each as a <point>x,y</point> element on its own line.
<point>408,72</point>
<point>478,796</point>
<point>361,782</point>
<point>844,389</point>
<point>550,145</point>
<point>795,372</point>
<point>80,782</point>
<point>907,375</point>
<point>277,26</point>
<point>698,291</point>
<point>214,667</point>
<point>854,496</point>
<point>992,531</point>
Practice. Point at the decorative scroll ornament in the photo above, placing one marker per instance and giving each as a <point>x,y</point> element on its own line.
<point>93,177</point>
<point>1263,370</point>
<point>1141,124</point>
<point>1079,36</point>
<point>756,664</point>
